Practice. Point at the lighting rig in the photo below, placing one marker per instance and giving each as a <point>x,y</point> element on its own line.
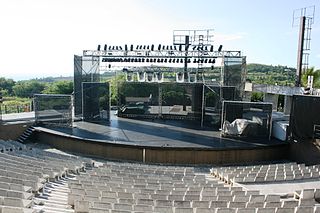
<point>191,48</point>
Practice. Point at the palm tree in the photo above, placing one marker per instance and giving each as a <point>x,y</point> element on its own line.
<point>316,77</point>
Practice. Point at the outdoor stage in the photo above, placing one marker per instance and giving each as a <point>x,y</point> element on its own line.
<point>159,141</point>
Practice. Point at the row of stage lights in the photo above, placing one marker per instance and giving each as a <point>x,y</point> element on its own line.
<point>181,77</point>
<point>206,48</point>
<point>160,60</point>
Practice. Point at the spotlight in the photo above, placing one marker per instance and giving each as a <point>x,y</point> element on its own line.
<point>144,47</point>
<point>147,60</point>
<point>194,47</point>
<point>120,48</point>
<point>165,60</point>
<point>110,47</point>
<point>211,48</point>
<point>159,47</point>
<point>137,47</point>
<point>189,60</point>
<point>213,60</point>
<point>220,48</point>
<point>105,47</point>
<point>152,47</point>
<point>181,60</point>
<point>174,60</point>
<point>143,60</point>
<point>169,60</point>
<point>147,47</point>
<point>131,47</point>
<point>125,47</point>
<point>180,47</point>
<point>99,46</point>
<point>206,60</point>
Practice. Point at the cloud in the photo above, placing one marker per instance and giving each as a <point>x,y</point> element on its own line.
<point>318,55</point>
<point>230,37</point>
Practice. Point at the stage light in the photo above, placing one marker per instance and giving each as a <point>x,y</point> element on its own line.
<point>169,60</point>
<point>144,47</point>
<point>131,47</point>
<point>189,60</point>
<point>211,48</point>
<point>213,60</point>
<point>110,47</point>
<point>179,77</point>
<point>137,47</point>
<point>141,76</point>
<point>175,47</point>
<point>125,47</point>
<point>165,60</point>
<point>120,48</point>
<point>105,47</point>
<point>147,60</point>
<point>180,47</point>
<point>205,48</point>
<point>159,47</point>
<point>181,60</point>
<point>132,59</point>
<point>152,47</point>
<point>143,60</point>
<point>135,60</point>
<point>116,47</point>
<point>194,60</point>
<point>163,47</point>
<point>171,47</point>
<point>161,60</point>
<point>99,47</point>
<point>220,48</point>
<point>174,60</point>
<point>158,60</point>
<point>206,60</point>
<point>194,47</point>
<point>167,47</point>
<point>147,47</point>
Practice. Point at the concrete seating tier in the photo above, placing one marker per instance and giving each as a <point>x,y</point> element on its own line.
<point>25,169</point>
<point>129,187</point>
<point>266,173</point>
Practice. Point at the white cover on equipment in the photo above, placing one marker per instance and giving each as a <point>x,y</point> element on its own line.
<point>279,130</point>
<point>237,127</point>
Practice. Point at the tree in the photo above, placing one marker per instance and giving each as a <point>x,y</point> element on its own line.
<point>311,72</point>
<point>59,87</point>
<point>26,89</point>
<point>6,86</point>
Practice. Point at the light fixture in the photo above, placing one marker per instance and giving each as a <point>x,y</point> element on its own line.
<point>105,47</point>
<point>220,48</point>
<point>99,47</point>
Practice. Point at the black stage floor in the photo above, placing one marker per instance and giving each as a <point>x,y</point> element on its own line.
<point>156,133</point>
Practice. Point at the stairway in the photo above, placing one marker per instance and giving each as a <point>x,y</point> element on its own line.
<point>26,134</point>
<point>54,198</point>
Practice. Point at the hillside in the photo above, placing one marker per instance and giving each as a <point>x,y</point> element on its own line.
<point>268,74</point>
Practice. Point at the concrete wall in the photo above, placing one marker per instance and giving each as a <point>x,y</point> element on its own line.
<point>12,131</point>
<point>162,154</point>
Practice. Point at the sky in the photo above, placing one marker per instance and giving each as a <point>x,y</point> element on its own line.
<point>38,38</point>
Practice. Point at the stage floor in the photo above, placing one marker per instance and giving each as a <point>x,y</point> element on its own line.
<point>156,133</point>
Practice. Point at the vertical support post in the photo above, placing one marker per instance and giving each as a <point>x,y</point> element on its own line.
<point>203,105</point>
<point>160,99</point>
<point>300,51</point>
<point>186,59</point>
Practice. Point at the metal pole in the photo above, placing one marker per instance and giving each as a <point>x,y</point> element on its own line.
<point>203,105</point>
<point>300,51</point>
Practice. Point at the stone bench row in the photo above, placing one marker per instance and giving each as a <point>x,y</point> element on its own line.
<point>207,192</point>
<point>84,206</point>
<point>15,202</point>
<point>218,201</point>
<point>15,194</point>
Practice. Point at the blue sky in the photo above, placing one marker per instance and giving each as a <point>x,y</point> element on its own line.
<point>39,37</point>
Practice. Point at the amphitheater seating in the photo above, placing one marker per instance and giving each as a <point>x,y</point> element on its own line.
<point>266,173</point>
<point>132,187</point>
<point>25,169</point>
<point>125,187</point>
